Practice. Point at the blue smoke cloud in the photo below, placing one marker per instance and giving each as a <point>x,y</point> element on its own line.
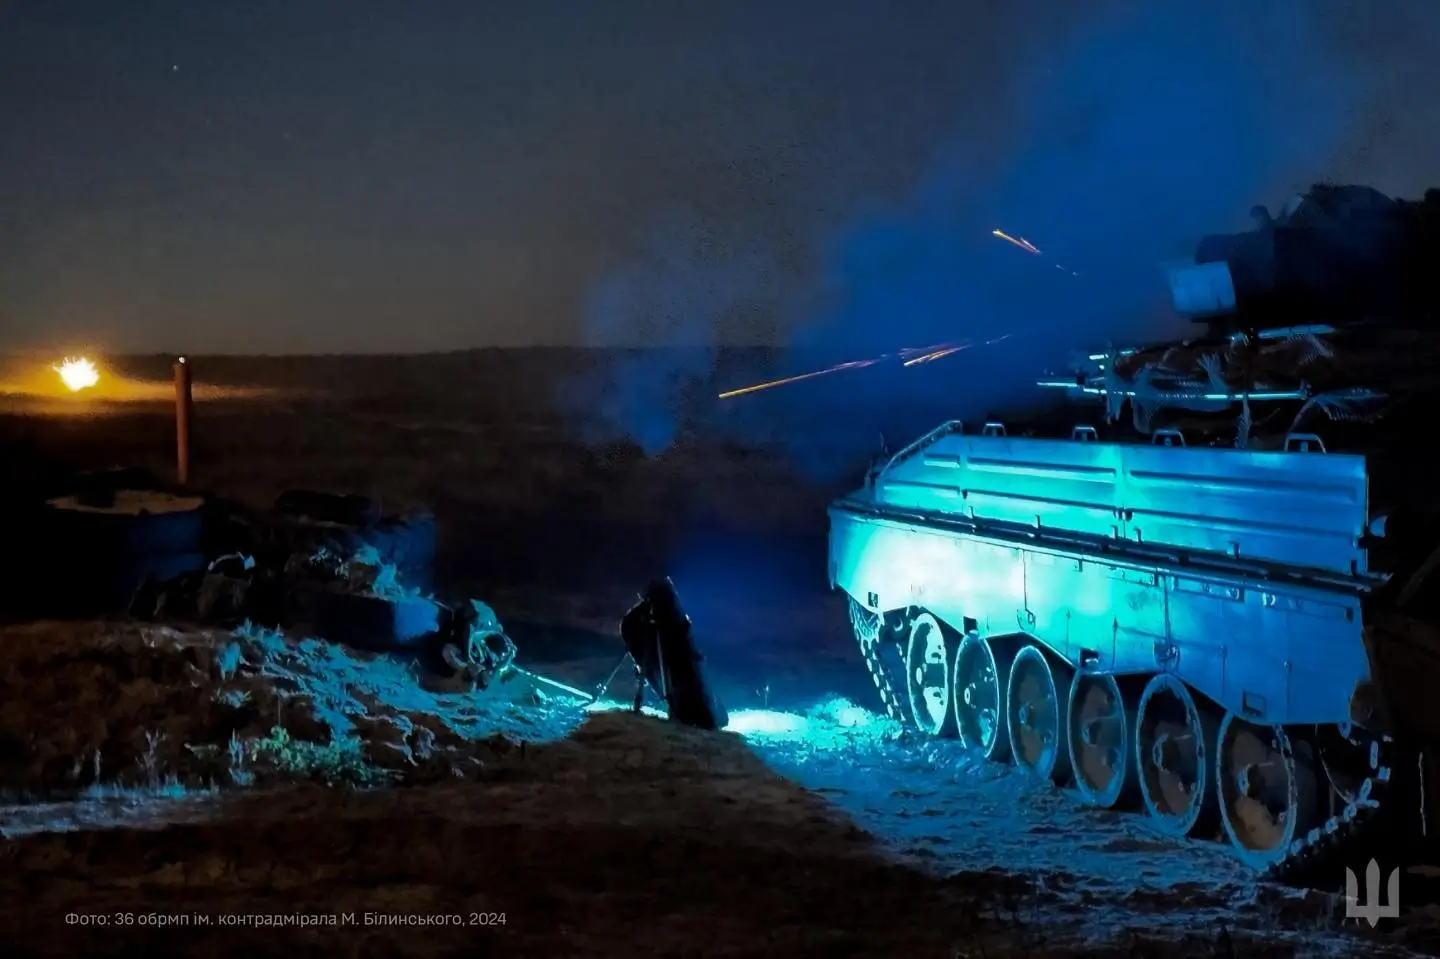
<point>1126,140</point>
<point>667,304</point>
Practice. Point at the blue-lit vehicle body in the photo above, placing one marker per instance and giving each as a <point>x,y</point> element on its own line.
<point>1195,630</point>
<point>1241,572</point>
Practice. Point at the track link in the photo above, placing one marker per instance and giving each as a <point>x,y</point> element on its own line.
<point>1321,856</point>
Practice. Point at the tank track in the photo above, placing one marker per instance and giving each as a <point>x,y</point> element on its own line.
<point>882,659</point>
<point>1322,855</point>
<point>1317,858</point>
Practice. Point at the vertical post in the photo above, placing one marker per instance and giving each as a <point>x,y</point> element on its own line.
<point>184,404</point>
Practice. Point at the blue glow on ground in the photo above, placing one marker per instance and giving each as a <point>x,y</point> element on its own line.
<point>849,717</point>
<point>934,799</point>
<point>611,706</point>
<point>821,723</point>
<point>956,813</point>
<point>766,722</point>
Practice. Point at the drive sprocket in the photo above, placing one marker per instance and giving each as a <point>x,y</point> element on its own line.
<point>883,658</point>
<point>1326,851</point>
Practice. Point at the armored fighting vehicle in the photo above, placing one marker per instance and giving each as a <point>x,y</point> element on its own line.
<point>1218,600</point>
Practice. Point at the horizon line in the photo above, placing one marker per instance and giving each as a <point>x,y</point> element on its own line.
<point>41,352</point>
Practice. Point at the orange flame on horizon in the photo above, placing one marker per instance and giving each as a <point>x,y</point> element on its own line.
<point>77,373</point>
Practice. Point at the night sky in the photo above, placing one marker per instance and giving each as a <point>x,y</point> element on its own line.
<point>358,175</point>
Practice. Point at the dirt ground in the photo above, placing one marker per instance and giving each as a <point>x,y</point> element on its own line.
<point>248,794</point>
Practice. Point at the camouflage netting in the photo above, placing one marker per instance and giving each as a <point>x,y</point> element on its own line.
<point>118,707</point>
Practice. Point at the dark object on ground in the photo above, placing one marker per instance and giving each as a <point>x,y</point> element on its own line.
<point>658,635</point>
<point>88,540</point>
<point>363,621</point>
<point>340,509</point>
<point>97,548</point>
<point>474,645</point>
<point>227,592</point>
<point>310,521</point>
<point>356,600</point>
<point>105,484</point>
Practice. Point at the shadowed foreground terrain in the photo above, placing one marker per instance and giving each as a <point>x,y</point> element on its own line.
<point>156,771</point>
<point>203,786</point>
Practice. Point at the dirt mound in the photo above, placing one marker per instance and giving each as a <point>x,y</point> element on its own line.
<point>118,706</point>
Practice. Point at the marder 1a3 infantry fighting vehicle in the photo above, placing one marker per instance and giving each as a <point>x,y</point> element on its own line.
<point>1220,599</point>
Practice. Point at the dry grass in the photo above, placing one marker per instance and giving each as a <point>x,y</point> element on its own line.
<point>156,710</point>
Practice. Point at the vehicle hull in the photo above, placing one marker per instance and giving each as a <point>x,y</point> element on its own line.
<point>1277,653</point>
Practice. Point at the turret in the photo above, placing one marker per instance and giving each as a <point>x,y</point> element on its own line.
<point>1337,254</point>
